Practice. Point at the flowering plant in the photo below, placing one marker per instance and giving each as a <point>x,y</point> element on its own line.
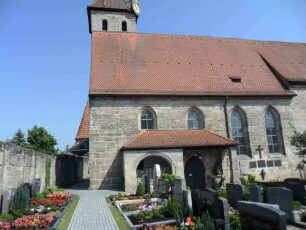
<point>33,221</point>
<point>160,227</point>
<point>4,225</point>
<point>60,195</point>
<point>147,207</point>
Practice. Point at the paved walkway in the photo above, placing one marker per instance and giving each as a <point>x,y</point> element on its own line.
<point>92,212</point>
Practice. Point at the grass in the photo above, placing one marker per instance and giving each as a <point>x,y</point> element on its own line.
<point>69,213</point>
<point>120,221</point>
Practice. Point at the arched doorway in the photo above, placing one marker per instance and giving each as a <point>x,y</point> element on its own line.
<point>145,167</point>
<point>195,173</point>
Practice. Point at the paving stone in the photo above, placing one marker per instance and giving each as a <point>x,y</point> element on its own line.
<point>92,212</point>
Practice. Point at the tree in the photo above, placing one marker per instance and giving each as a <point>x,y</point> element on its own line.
<point>19,138</point>
<point>39,139</point>
<point>299,141</point>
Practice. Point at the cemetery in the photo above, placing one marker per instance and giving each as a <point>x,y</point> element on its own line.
<point>165,202</point>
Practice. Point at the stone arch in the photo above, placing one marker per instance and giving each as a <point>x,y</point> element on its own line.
<point>199,114</point>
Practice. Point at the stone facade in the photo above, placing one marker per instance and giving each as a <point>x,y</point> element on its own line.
<point>19,165</point>
<point>298,106</point>
<point>114,121</point>
<point>114,21</point>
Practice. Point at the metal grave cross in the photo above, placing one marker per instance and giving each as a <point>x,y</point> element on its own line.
<point>259,149</point>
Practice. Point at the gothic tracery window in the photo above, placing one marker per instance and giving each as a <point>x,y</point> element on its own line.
<point>273,131</point>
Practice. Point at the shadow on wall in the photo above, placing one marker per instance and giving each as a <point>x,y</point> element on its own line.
<point>114,179</point>
<point>68,170</point>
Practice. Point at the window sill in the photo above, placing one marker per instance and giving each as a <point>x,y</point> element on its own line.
<point>276,155</point>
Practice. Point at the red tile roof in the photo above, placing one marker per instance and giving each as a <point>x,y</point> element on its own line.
<point>83,132</point>
<point>157,139</point>
<point>154,64</point>
<point>110,4</point>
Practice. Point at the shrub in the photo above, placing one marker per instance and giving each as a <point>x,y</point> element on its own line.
<point>303,216</point>
<point>223,193</point>
<point>243,181</point>
<point>20,200</point>
<point>251,179</point>
<point>173,207</point>
<point>170,177</point>
<point>235,220</point>
<point>296,204</point>
<point>140,190</point>
<point>159,212</point>
<point>6,217</point>
<point>14,212</point>
<point>205,222</point>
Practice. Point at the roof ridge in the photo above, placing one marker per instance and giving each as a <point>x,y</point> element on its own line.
<point>202,36</point>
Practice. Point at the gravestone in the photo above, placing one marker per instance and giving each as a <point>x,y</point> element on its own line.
<point>234,194</point>
<point>282,197</point>
<point>206,199</point>
<point>156,175</point>
<point>6,199</point>
<point>162,188</point>
<point>156,171</point>
<point>27,186</point>
<point>179,187</point>
<point>187,199</point>
<point>36,183</point>
<point>223,213</point>
<point>298,189</point>
<point>255,216</point>
<point>256,194</point>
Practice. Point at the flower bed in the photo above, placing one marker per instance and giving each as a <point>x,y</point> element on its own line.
<point>42,213</point>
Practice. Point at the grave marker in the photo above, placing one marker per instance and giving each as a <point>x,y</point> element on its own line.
<point>255,216</point>
<point>6,199</point>
<point>36,183</point>
<point>282,197</point>
<point>255,194</point>
<point>234,194</point>
<point>298,189</point>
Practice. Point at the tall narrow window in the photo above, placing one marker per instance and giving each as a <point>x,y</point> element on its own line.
<point>147,121</point>
<point>104,25</point>
<point>124,26</point>
<point>240,131</point>
<point>193,120</point>
<point>272,132</point>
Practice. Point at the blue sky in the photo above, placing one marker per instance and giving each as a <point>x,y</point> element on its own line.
<point>45,50</point>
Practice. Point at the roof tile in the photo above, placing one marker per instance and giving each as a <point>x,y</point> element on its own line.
<point>152,139</point>
<point>153,64</point>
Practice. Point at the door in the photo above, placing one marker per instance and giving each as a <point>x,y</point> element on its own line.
<point>195,173</point>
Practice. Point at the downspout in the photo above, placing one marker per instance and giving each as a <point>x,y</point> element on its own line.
<point>228,136</point>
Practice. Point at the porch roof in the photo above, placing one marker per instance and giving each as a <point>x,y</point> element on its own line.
<point>159,139</point>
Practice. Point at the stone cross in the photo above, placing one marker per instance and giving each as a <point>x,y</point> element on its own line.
<point>259,149</point>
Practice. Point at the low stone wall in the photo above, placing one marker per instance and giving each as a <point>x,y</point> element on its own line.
<point>20,165</point>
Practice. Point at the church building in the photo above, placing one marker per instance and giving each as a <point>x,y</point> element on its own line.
<point>200,107</point>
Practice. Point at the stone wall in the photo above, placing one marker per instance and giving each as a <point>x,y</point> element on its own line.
<point>114,20</point>
<point>116,120</point>
<point>298,106</point>
<point>19,165</point>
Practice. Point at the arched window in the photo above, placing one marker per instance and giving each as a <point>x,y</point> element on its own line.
<point>147,120</point>
<point>240,131</point>
<point>124,26</point>
<point>195,119</point>
<point>104,25</point>
<point>273,131</point>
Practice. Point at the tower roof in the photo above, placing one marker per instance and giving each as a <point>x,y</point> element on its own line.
<point>110,5</point>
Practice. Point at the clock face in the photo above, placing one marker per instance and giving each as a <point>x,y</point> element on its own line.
<point>136,7</point>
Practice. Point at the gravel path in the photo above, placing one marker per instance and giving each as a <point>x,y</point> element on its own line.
<point>92,212</point>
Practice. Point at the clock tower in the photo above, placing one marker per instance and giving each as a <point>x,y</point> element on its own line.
<point>113,15</point>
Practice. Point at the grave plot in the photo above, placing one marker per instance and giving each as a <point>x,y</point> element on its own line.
<point>41,211</point>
